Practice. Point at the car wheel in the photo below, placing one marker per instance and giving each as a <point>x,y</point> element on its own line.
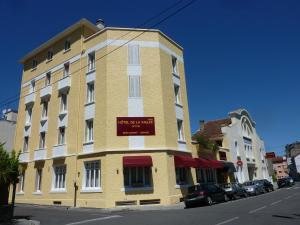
<point>226,198</point>
<point>209,201</point>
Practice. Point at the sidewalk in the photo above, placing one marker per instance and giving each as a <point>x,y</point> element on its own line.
<point>22,222</point>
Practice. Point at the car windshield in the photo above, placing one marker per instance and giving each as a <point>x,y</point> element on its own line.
<point>248,183</point>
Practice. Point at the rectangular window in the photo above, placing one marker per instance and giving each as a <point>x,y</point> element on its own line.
<point>137,176</point>
<point>59,178</point>
<point>180,130</point>
<point>210,176</point>
<point>89,130</point>
<point>134,86</point>
<point>91,61</point>
<point>21,182</point>
<point>200,174</point>
<point>177,93</point>
<point>90,92</point>
<point>34,64</point>
<point>181,176</point>
<point>42,140</point>
<point>63,103</point>
<point>25,144</point>
<point>61,135</point>
<point>38,180</point>
<point>28,114</point>
<point>133,54</point>
<point>66,69</point>
<point>32,86</point>
<point>222,156</point>
<point>174,65</point>
<point>67,45</point>
<point>92,175</point>
<point>48,79</point>
<point>49,55</point>
<point>45,109</point>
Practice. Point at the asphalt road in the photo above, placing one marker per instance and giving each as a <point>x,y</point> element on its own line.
<point>281,207</point>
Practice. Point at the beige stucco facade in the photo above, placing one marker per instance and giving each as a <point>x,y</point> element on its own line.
<point>110,79</point>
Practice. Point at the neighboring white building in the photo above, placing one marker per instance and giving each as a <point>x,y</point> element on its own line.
<point>246,147</point>
<point>293,158</point>
<point>7,128</point>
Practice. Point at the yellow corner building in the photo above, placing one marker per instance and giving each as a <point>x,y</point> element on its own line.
<point>103,119</point>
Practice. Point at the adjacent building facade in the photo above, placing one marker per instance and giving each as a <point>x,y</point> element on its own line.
<point>103,119</point>
<point>238,140</point>
<point>7,128</point>
<point>292,152</point>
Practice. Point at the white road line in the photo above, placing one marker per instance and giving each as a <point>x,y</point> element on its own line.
<point>227,221</point>
<point>255,210</point>
<point>96,219</point>
<point>274,203</point>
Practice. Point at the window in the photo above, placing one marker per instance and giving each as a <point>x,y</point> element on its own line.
<point>49,55</point>
<point>21,182</point>
<point>137,176</point>
<point>34,64</point>
<point>48,79</point>
<point>66,69</point>
<point>28,114</point>
<point>134,86</point>
<point>45,109</point>
<point>59,178</point>
<point>222,156</point>
<point>174,65</point>
<point>63,103</point>
<point>180,130</point>
<point>61,135</point>
<point>177,93</point>
<point>32,86</point>
<point>67,45</point>
<point>25,144</point>
<point>181,176</point>
<point>91,61</point>
<point>200,174</point>
<point>92,175</point>
<point>237,149</point>
<point>133,54</point>
<point>210,175</point>
<point>90,92</point>
<point>89,131</point>
<point>42,140</point>
<point>38,180</point>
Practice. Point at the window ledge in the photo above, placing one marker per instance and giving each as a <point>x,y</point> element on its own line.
<point>27,124</point>
<point>20,193</point>
<point>59,145</point>
<point>125,189</point>
<point>89,103</point>
<point>48,60</point>
<point>37,193</point>
<point>54,191</point>
<point>44,119</point>
<point>181,141</point>
<point>176,75</point>
<point>66,50</point>
<point>63,113</point>
<point>90,71</point>
<point>91,190</point>
<point>178,104</point>
<point>179,186</point>
<point>88,143</point>
<point>33,69</point>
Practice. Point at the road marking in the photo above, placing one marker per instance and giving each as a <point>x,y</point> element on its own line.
<point>288,197</point>
<point>227,221</point>
<point>255,210</point>
<point>96,219</point>
<point>274,203</point>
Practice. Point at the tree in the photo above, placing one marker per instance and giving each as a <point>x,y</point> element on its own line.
<point>9,174</point>
<point>206,143</point>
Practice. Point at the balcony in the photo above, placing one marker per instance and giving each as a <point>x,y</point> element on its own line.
<point>40,154</point>
<point>30,98</point>
<point>24,157</point>
<point>59,151</point>
<point>64,84</point>
<point>46,92</point>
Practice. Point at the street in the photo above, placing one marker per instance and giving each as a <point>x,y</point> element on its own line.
<point>280,207</point>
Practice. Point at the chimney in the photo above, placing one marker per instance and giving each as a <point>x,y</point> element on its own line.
<point>100,24</point>
<point>201,123</point>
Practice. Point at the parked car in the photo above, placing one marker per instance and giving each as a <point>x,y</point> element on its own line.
<point>286,181</point>
<point>268,186</point>
<point>205,193</point>
<point>253,187</point>
<point>234,190</point>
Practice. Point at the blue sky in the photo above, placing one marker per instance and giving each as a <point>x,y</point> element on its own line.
<point>237,53</point>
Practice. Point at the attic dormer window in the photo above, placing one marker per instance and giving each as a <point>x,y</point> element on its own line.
<point>67,44</point>
<point>34,64</point>
<point>49,55</point>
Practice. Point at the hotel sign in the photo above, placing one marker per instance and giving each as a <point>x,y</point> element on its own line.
<point>135,126</point>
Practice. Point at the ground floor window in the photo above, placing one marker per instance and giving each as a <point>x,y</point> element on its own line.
<point>92,175</point>
<point>38,180</point>
<point>137,176</point>
<point>59,178</point>
<point>200,174</point>
<point>21,182</point>
<point>206,175</point>
<point>181,176</point>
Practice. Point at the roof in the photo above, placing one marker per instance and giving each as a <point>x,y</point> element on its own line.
<point>212,129</point>
<point>47,44</point>
<point>242,112</point>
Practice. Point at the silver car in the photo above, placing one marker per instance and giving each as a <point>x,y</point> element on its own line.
<point>253,188</point>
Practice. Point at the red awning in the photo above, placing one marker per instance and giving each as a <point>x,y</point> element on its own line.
<point>215,164</point>
<point>202,163</point>
<point>137,161</point>
<point>184,161</point>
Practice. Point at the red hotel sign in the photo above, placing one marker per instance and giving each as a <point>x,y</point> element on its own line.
<point>135,126</point>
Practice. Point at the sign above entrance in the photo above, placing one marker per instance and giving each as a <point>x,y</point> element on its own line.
<point>135,126</point>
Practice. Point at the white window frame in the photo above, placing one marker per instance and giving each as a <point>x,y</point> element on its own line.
<point>134,172</point>
<point>45,109</point>
<point>133,54</point>
<point>21,184</point>
<point>50,55</point>
<point>174,65</point>
<point>25,144</point>
<point>66,71</point>
<point>91,170</point>
<point>89,130</point>
<point>34,64</point>
<point>42,142</point>
<point>181,176</point>
<point>134,86</point>
<point>91,61</point>
<point>177,93</point>
<point>59,181</point>
<point>90,92</point>
<point>180,130</point>
<point>67,45</point>
<point>63,102</point>
<point>61,136</point>
<point>38,180</point>
<point>48,79</point>
<point>32,86</point>
<point>28,113</point>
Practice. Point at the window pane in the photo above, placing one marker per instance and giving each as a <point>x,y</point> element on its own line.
<point>126,177</point>
<point>147,176</point>
<point>133,54</point>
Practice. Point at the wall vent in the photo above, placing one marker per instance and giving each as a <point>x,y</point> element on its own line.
<point>150,202</point>
<point>125,203</point>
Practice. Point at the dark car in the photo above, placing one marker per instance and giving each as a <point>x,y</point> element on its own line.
<point>268,186</point>
<point>253,187</point>
<point>204,193</point>
<point>285,182</point>
<point>234,190</point>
